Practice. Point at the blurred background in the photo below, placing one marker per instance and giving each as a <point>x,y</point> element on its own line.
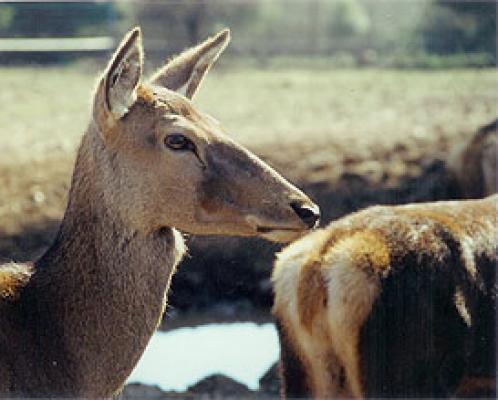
<point>333,33</point>
<point>358,102</point>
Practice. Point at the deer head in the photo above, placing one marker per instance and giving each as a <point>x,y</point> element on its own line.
<point>166,164</point>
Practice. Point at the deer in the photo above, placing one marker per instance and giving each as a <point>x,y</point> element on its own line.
<point>150,165</point>
<point>391,302</point>
<point>472,164</point>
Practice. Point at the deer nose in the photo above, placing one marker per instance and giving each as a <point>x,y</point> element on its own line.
<point>309,214</point>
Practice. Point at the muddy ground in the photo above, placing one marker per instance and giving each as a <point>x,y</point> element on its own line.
<point>210,388</point>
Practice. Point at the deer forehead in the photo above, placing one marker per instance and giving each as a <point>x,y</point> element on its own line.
<point>173,110</point>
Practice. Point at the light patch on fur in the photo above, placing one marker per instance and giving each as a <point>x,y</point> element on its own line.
<point>321,365</point>
<point>121,98</point>
<point>352,290</point>
<point>120,110</point>
<point>442,218</point>
<point>324,368</point>
<point>461,307</point>
<point>286,272</point>
<point>415,235</point>
<point>202,65</point>
<point>146,94</point>
<point>468,260</point>
<point>123,74</point>
<point>13,277</point>
<point>324,297</point>
<point>179,245</point>
<point>367,250</point>
<point>452,225</point>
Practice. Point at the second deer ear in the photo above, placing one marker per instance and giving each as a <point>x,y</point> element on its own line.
<point>185,72</point>
<point>123,75</point>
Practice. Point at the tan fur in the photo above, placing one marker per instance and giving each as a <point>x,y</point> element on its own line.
<point>311,294</point>
<point>77,323</point>
<point>328,284</point>
<point>351,295</point>
<point>12,278</point>
<point>310,344</point>
<point>366,249</point>
<point>185,72</point>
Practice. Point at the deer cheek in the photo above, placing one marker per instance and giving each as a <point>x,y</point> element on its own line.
<point>210,202</point>
<point>216,204</point>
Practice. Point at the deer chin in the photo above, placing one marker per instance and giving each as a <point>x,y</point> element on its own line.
<point>280,235</point>
<point>275,232</point>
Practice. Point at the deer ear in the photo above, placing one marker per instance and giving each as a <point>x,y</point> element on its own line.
<point>123,74</point>
<point>185,72</point>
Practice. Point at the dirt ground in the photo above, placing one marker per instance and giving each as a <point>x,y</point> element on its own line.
<point>348,138</point>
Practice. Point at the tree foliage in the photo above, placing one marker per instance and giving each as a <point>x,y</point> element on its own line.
<point>422,32</point>
<point>56,19</point>
<point>461,27</point>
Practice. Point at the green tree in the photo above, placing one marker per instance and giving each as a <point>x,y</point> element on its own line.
<point>170,25</point>
<point>55,19</point>
<point>348,18</point>
<point>461,27</point>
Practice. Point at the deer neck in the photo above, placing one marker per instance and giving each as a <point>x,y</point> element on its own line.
<point>99,292</point>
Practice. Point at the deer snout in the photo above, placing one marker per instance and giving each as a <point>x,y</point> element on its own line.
<point>309,213</point>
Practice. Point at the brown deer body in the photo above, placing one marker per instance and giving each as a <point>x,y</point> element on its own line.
<point>473,164</point>
<point>391,301</point>
<point>75,323</point>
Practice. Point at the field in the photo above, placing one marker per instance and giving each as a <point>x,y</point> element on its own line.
<point>348,137</point>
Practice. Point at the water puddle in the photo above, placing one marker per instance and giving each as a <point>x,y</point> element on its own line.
<point>181,357</point>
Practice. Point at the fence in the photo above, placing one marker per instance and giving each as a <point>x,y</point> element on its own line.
<point>350,31</point>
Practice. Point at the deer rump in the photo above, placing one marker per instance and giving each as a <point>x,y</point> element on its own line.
<point>391,302</point>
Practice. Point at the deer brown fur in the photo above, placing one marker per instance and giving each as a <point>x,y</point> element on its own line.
<point>391,302</point>
<point>75,322</point>
<point>473,163</point>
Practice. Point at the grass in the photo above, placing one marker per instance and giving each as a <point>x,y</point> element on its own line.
<point>287,105</point>
<point>46,109</point>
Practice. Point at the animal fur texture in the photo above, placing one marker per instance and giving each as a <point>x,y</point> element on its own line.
<point>391,301</point>
<point>75,322</point>
<point>473,163</point>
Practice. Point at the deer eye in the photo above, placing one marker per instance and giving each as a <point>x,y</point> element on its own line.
<point>176,141</point>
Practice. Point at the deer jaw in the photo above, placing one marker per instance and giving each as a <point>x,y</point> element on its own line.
<point>207,184</point>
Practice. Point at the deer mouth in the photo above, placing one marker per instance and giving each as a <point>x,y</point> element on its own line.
<point>269,229</point>
<point>280,235</point>
<point>275,232</point>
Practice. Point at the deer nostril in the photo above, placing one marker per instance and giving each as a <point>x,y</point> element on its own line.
<point>309,215</point>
